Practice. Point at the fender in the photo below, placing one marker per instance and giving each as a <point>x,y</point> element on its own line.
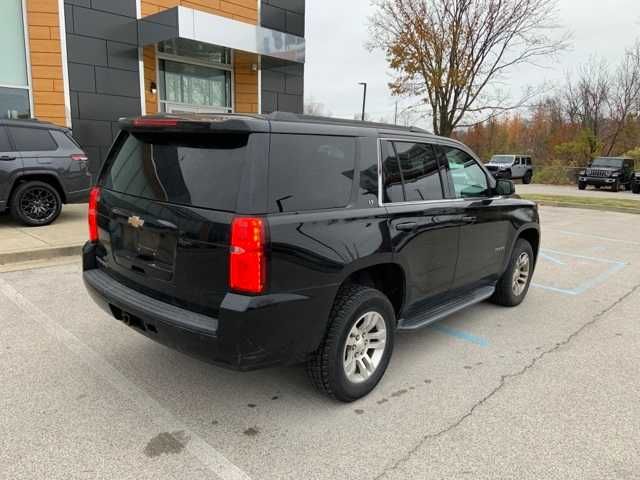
<point>516,236</point>
<point>19,174</point>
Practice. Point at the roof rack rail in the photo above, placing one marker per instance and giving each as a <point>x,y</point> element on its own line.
<point>295,117</point>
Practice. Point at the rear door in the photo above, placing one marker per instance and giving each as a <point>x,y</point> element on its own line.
<point>10,162</point>
<point>422,225</point>
<point>485,229</point>
<point>166,207</point>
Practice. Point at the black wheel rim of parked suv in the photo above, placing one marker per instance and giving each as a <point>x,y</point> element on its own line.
<point>38,204</point>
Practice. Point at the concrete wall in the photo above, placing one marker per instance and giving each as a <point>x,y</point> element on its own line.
<point>102,54</point>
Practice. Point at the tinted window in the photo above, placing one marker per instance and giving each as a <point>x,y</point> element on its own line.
<point>419,166</point>
<point>5,146</point>
<point>309,172</point>
<point>393,189</point>
<point>32,139</point>
<point>189,169</point>
<point>469,180</point>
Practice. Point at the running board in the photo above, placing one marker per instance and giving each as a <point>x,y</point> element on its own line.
<point>441,311</point>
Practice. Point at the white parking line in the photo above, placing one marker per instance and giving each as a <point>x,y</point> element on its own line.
<point>215,461</point>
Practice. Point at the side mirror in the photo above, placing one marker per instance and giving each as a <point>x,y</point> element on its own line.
<point>505,187</point>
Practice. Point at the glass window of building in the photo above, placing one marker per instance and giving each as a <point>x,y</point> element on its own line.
<point>14,83</point>
<point>194,77</point>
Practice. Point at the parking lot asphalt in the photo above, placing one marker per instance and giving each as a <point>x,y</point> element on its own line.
<point>546,390</point>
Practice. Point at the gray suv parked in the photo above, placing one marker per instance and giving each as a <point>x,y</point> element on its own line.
<point>41,167</point>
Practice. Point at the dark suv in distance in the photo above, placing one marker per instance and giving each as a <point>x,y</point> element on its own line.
<point>635,182</point>
<point>250,241</point>
<point>41,167</point>
<point>614,172</point>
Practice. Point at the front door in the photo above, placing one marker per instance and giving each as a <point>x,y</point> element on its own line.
<point>485,230</point>
<point>423,231</point>
<point>10,162</point>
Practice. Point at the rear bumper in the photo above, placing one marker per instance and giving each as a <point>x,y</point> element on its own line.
<point>249,333</point>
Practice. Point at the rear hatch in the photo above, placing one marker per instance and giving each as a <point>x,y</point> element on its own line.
<point>170,190</point>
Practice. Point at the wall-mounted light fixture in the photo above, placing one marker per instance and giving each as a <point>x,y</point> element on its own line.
<point>153,88</point>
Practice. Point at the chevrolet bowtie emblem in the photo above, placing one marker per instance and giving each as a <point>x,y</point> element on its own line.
<point>136,222</point>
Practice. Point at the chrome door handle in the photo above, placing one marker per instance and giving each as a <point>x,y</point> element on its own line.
<point>6,158</point>
<point>469,219</point>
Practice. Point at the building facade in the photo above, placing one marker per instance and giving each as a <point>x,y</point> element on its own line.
<point>86,63</point>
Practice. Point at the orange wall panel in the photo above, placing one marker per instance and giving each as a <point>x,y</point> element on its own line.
<point>46,60</point>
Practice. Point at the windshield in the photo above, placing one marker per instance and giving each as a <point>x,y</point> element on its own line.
<point>502,159</point>
<point>607,162</point>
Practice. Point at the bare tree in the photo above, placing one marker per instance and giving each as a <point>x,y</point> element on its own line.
<point>624,99</point>
<point>317,109</point>
<point>587,98</point>
<point>455,53</point>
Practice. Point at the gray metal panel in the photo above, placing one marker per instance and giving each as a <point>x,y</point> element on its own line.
<point>122,55</point>
<point>295,24</point>
<point>120,7</point>
<point>86,50</point>
<point>107,107</point>
<point>283,15</point>
<point>92,132</point>
<point>82,77</point>
<point>94,23</point>
<point>272,17</point>
<point>114,81</point>
<point>291,5</point>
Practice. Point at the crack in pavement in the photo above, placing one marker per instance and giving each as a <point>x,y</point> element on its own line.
<point>502,383</point>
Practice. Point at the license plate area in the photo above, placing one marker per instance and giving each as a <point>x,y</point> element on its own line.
<point>147,251</point>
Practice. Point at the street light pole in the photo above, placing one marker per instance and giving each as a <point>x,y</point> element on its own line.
<point>364,98</point>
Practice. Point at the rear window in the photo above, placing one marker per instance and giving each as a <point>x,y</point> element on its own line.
<point>310,172</point>
<point>189,169</point>
<point>32,139</point>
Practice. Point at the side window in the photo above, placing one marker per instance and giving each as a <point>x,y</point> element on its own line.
<point>517,162</point>
<point>391,174</point>
<point>32,139</point>
<point>5,145</point>
<point>310,172</point>
<point>420,173</point>
<point>528,162</point>
<point>469,180</point>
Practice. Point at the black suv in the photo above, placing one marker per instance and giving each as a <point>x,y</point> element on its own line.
<point>41,167</point>
<point>614,172</point>
<point>251,241</point>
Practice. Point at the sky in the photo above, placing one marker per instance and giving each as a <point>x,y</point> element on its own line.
<point>336,32</point>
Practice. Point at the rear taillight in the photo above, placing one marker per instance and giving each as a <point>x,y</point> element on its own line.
<point>247,265</point>
<point>94,198</point>
<point>79,157</point>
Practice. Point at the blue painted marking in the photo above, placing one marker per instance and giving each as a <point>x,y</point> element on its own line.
<point>461,334</point>
<point>615,267</point>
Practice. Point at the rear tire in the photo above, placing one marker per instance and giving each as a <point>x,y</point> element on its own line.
<point>582,186</point>
<point>527,178</point>
<point>513,286</point>
<point>35,204</point>
<point>635,188</point>
<point>339,367</point>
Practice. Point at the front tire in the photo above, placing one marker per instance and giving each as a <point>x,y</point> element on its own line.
<point>513,286</point>
<point>358,345</point>
<point>35,204</point>
<point>615,187</point>
<point>635,188</point>
<point>582,185</point>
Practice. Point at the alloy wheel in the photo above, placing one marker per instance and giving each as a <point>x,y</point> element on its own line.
<point>521,274</point>
<point>365,347</point>
<point>38,204</point>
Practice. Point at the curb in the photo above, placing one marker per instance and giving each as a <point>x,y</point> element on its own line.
<point>40,254</point>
